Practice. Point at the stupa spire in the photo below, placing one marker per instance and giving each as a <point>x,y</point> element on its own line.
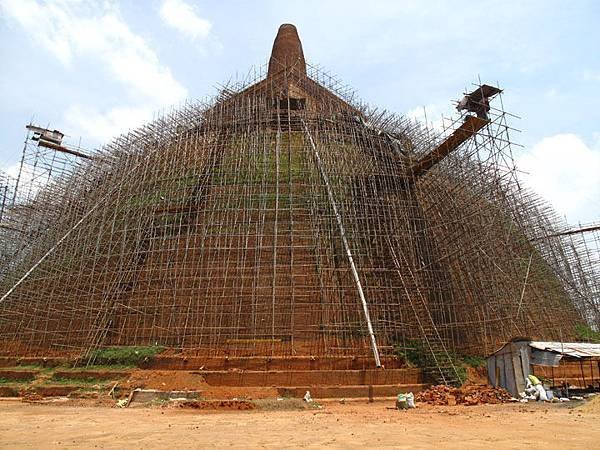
<point>287,51</point>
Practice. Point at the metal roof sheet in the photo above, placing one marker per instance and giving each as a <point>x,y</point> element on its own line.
<point>576,349</point>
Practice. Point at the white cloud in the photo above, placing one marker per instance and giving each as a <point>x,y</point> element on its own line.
<point>75,29</point>
<point>12,170</point>
<point>127,56</point>
<point>29,178</point>
<point>591,75</point>
<point>565,171</point>
<point>101,126</point>
<point>46,23</point>
<point>431,115</point>
<point>184,18</point>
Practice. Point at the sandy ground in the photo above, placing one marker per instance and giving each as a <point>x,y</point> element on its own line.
<point>350,425</point>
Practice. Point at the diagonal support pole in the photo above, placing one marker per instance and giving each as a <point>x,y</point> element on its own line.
<point>338,218</point>
<point>48,253</point>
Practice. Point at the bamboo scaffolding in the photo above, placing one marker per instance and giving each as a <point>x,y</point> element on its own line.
<point>213,231</point>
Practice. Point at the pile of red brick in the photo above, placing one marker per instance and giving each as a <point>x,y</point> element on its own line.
<point>467,395</point>
<point>30,397</point>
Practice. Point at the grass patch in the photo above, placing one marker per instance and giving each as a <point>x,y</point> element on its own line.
<point>158,402</point>
<point>28,367</point>
<point>418,355</point>
<point>284,404</point>
<point>78,381</point>
<point>474,361</point>
<point>97,367</point>
<point>5,381</point>
<point>37,367</point>
<point>586,334</point>
<point>124,357</point>
<point>414,353</point>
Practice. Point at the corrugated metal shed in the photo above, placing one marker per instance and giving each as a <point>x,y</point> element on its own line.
<point>544,358</point>
<point>509,366</point>
<point>574,349</point>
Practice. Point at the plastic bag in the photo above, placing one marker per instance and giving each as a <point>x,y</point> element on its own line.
<point>541,393</point>
<point>410,400</point>
<point>307,397</point>
<point>401,402</point>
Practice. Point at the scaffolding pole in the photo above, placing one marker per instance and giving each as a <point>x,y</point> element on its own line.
<point>338,218</point>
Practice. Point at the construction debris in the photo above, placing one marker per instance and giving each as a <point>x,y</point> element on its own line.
<point>405,401</point>
<point>307,397</point>
<point>235,404</point>
<point>467,395</point>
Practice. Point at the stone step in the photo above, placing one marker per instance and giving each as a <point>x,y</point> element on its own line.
<point>325,392</point>
<point>9,391</point>
<point>178,362</point>
<point>90,374</point>
<point>14,361</point>
<point>312,377</point>
<point>183,362</point>
<point>316,392</point>
<point>195,362</point>
<point>18,374</point>
<point>149,395</point>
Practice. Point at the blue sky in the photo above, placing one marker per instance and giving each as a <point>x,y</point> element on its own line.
<point>96,68</point>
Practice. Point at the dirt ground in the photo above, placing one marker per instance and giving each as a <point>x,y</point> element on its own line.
<point>353,424</point>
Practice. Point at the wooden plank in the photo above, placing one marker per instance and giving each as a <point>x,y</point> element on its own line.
<point>470,127</point>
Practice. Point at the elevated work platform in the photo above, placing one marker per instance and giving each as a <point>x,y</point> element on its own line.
<point>469,127</point>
